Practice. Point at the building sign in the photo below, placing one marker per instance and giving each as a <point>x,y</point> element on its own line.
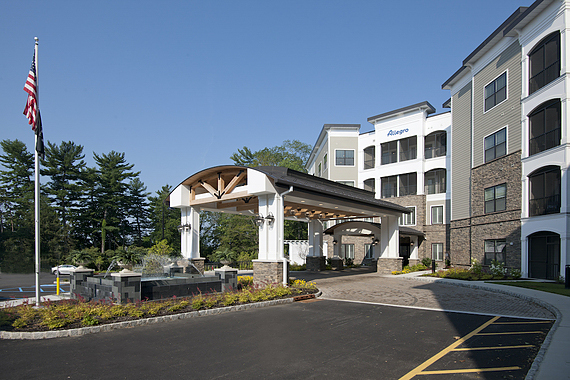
<point>397,132</point>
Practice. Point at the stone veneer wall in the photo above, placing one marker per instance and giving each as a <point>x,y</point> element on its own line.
<point>316,263</point>
<point>468,235</point>
<point>388,265</point>
<point>269,272</point>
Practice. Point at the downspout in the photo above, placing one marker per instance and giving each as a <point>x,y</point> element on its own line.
<point>281,234</point>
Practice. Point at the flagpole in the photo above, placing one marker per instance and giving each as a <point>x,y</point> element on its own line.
<point>37,183</point>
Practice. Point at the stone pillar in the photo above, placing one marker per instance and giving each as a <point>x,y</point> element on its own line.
<point>126,287</point>
<point>77,283</point>
<point>228,276</point>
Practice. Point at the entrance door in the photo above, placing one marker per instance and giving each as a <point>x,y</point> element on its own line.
<point>544,255</point>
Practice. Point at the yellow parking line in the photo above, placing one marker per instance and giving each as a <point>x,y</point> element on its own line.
<point>436,357</point>
<point>493,348</point>
<point>521,322</point>
<point>470,370</point>
<point>512,332</point>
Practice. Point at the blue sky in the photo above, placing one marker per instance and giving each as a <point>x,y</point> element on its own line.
<point>181,85</point>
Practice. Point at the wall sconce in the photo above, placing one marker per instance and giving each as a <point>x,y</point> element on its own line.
<point>376,241</point>
<point>411,244</point>
<point>184,227</point>
<point>335,242</point>
<point>270,219</point>
<point>258,220</point>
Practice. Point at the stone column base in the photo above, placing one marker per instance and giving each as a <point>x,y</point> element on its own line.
<point>316,263</point>
<point>269,272</point>
<point>388,265</point>
<point>199,264</point>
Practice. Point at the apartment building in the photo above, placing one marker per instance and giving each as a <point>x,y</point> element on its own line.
<point>509,145</point>
<point>403,160</point>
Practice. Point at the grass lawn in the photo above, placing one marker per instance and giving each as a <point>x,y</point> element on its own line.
<point>550,287</point>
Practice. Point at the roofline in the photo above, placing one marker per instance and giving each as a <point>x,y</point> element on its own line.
<point>508,25</point>
<point>322,134</point>
<point>420,106</point>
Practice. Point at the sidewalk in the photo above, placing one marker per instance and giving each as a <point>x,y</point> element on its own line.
<point>553,359</point>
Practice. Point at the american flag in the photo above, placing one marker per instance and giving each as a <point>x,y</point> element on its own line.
<point>31,109</point>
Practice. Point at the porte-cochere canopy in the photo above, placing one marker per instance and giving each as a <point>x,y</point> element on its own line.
<point>274,194</point>
<point>236,189</point>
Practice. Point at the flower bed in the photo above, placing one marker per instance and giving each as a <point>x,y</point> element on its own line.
<point>69,314</point>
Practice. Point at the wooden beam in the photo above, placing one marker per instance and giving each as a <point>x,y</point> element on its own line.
<point>224,197</point>
<point>234,182</point>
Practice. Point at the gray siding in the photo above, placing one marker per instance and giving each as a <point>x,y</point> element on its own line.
<point>461,154</point>
<point>506,114</point>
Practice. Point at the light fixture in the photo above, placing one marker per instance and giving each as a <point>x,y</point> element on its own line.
<point>411,244</point>
<point>335,242</point>
<point>376,241</point>
<point>258,220</point>
<point>184,227</point>
<point>270,218</point>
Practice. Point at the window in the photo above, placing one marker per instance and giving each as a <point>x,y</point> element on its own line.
<point>437,215</point>
<point>325,162</point>
<point>435,145</point>
<point>319,171</point>
<point>345,157</point>
<point>408,219</point>
<point>545,127</point>
<point>370,185</point>
<point>495,250</point>
<point>408,148</point>
<point>435,181</point>
<point>496,198</point>
<point>544,62</point>
<point>496,91</point>
<point>347,183</point>
<point>347,251</point>
<point>545,191</point>
<point>369,157</point>
<point>437,251</point>
<point>408,184</point>
<point>496,145</point>
<point>389,186</point>
<point>368,253</point>
<point>389,152</point>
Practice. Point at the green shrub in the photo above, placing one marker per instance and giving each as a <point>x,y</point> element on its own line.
<point>426,261</point>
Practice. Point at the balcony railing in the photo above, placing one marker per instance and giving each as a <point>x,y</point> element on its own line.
<point>544,206</point>
<point>435,152</point>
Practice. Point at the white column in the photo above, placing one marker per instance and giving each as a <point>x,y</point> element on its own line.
<point>564,254</point>
<point>270,241</point>
<point>315,238</point>
<point>190,237</point>
<point>524,256</point>
<point>194,232</point>
<point>390,237</point>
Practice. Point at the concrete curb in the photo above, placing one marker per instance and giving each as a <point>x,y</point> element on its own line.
<point>553,309</point>
<point>139,322</point>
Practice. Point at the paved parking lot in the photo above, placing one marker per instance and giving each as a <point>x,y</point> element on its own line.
<point>351,332</point>
<point>16,286</point>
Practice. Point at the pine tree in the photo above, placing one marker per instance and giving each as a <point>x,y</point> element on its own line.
<point>65,166</point>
